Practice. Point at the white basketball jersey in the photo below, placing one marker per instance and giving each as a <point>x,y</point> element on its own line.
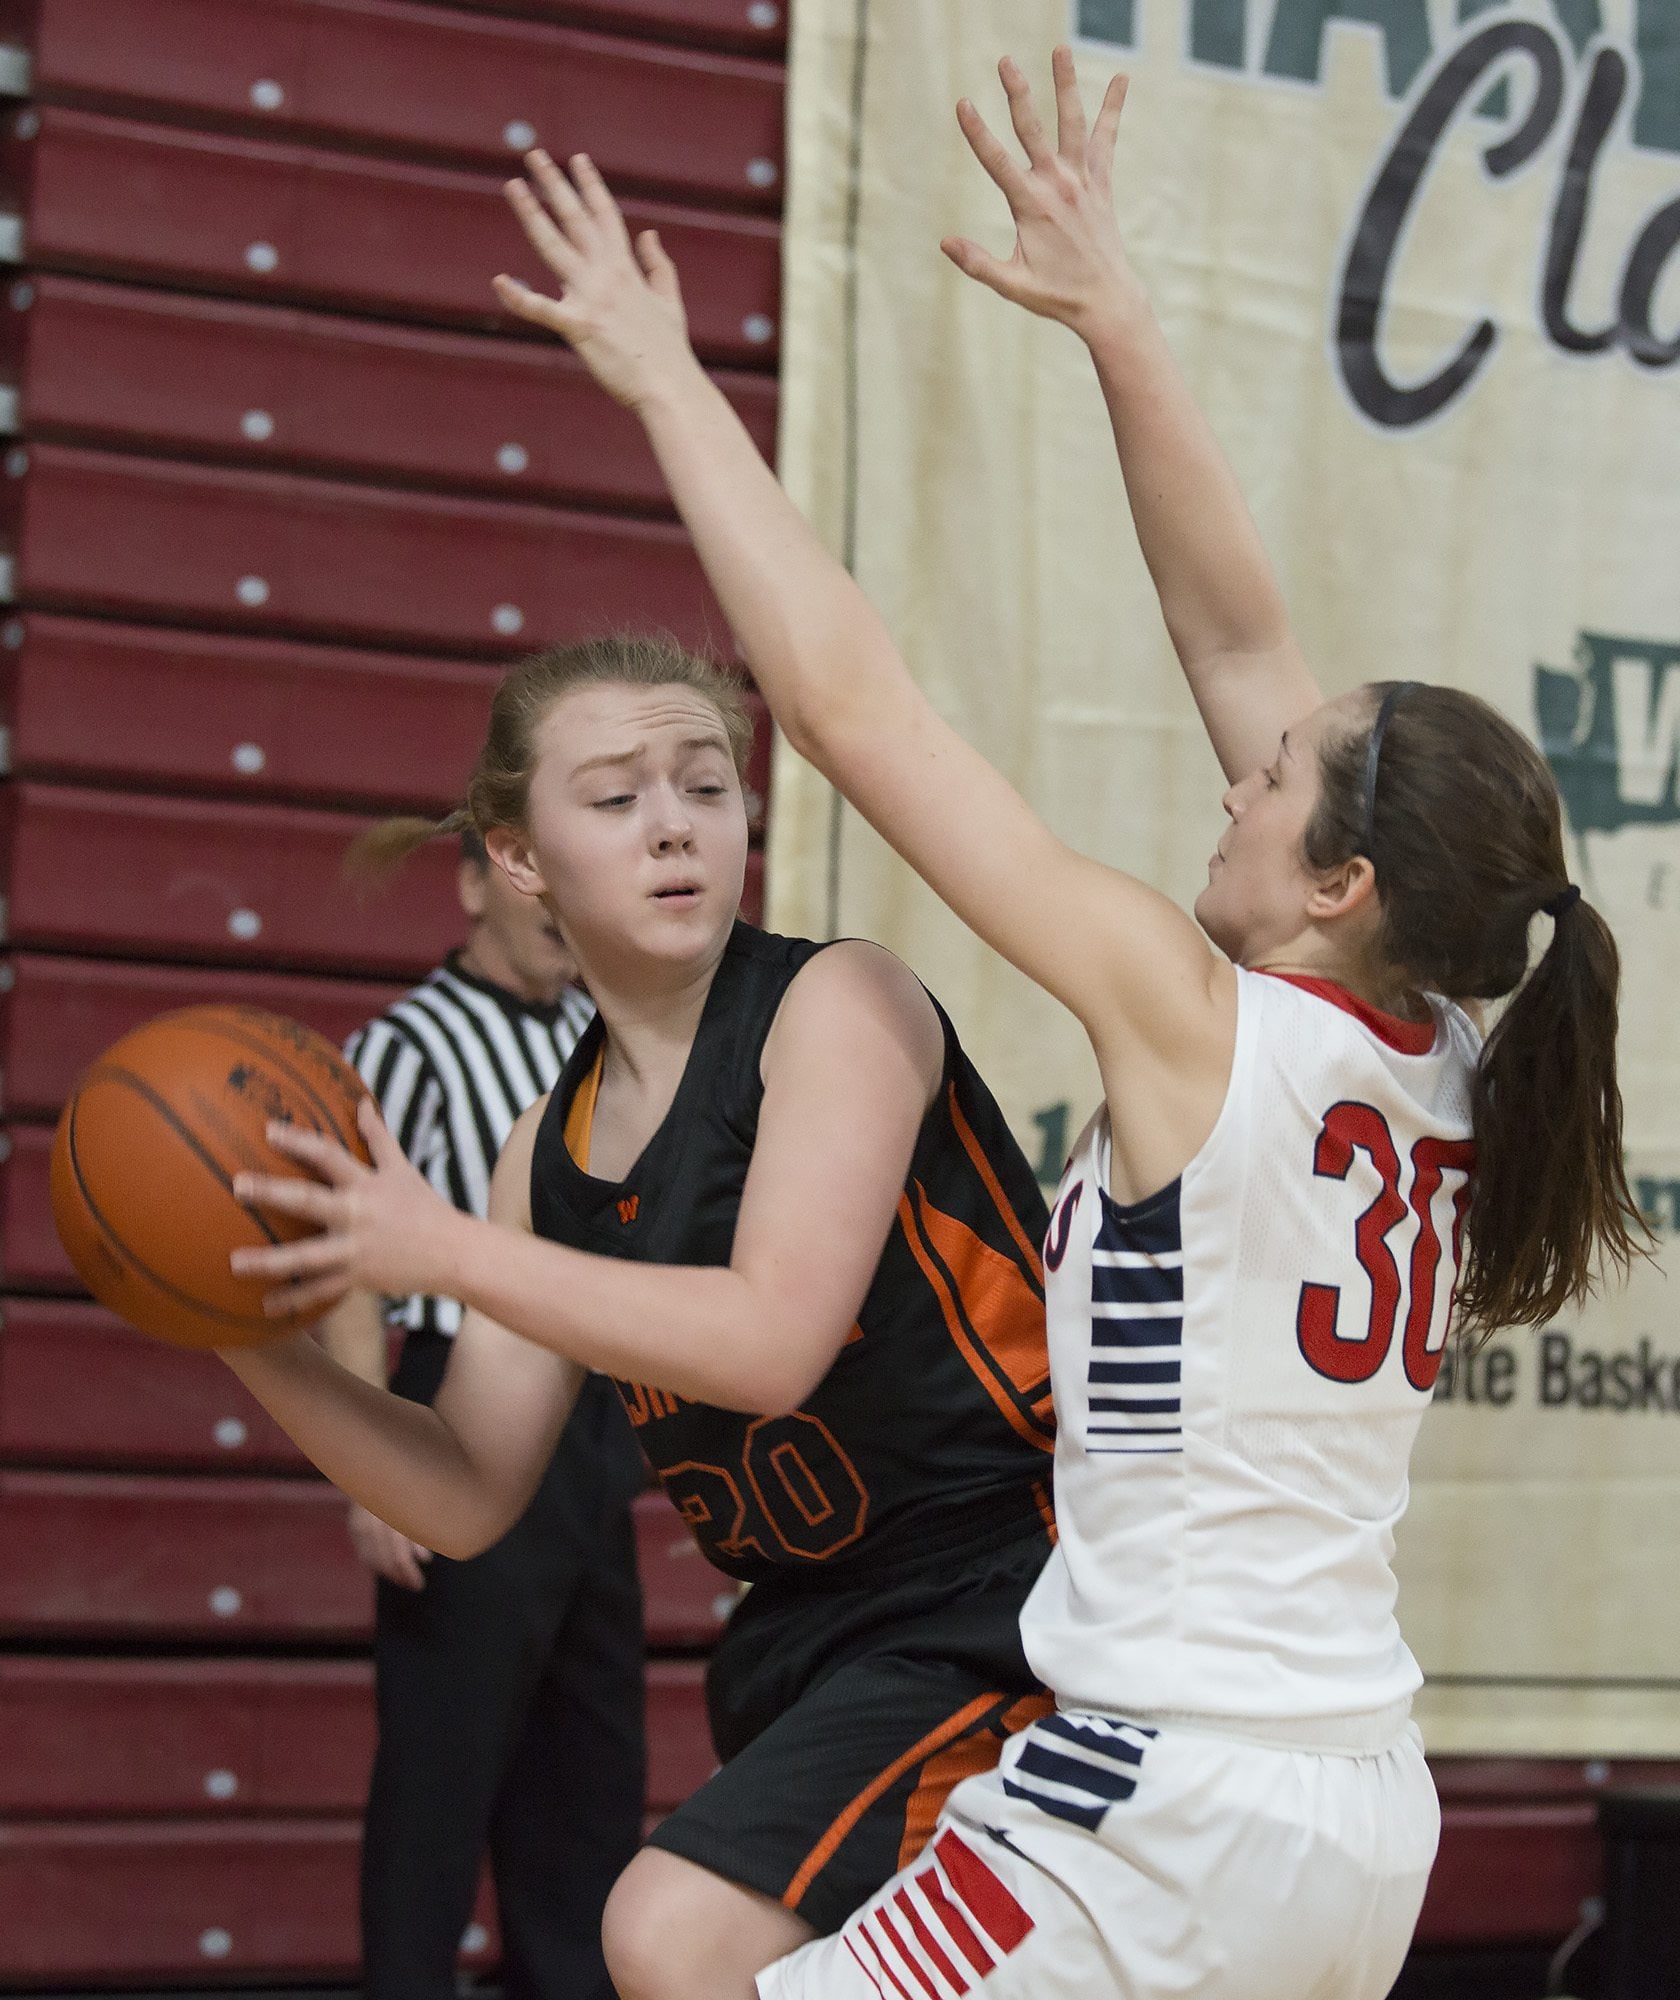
<point>1240,1366</point>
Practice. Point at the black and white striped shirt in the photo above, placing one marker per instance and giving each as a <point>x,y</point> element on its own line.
<point>451,1067</point>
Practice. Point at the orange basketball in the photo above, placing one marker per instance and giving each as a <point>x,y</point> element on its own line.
<point>145,1155</point>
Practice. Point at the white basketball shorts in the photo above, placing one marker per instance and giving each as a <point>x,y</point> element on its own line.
<point>1103,1860</point>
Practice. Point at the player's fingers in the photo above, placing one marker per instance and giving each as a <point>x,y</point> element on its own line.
<point>560,197</point>
<point>657,267</point>
<point>992,272</point>
<point>307,1200</point>
<point>1100,153</point>
<point>324,1157</point>
<point>543,232</point>
<point>305,1298</point>
<point>994,156</point>
<point>597,198</point>
<point>308,1257</point>
<point>382,1147</point>
<point>1023,113</point>
<point>524,303</point>
<point>1070,111</point>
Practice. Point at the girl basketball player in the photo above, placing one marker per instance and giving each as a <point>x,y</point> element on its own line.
<point>1305,1148</point>
<point>844,1387</point>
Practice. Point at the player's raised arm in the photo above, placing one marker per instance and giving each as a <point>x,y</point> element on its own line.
<point>1122,958</point>
<point>1218,594</point>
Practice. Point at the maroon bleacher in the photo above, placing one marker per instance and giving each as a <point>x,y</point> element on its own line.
<point>261,218</point>
<point>278,387</point>
<point>284,490</point>
<point>426,81</point>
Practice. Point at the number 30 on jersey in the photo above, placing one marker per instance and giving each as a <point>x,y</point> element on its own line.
<point>1325,1324</point>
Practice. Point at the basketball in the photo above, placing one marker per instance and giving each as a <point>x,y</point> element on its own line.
<point>147,1149</point>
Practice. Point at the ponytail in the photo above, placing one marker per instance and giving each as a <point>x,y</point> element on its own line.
<point>1550,1204</point>
<point>377,852</point>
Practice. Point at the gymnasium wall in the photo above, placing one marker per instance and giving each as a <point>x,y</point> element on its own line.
<point>283,493</point>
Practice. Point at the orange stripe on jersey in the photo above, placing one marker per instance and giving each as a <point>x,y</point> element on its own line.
<point>994,1187</point>
<point>826,1848</point>
<point>580,1116</point>
<point>1046,1513</point>
<point>966,1758</point>
<point>993,1316</point>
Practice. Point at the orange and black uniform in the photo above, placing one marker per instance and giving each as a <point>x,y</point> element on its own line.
<point>892,1525</point>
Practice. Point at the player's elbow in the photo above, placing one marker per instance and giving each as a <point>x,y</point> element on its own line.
<point>474,1525</point>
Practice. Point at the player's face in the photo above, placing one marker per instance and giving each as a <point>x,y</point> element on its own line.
<point>636,825</point>
<point>514,939</point>
<point>1259,884</point>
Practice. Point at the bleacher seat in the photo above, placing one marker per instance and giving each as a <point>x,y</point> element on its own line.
<point>275,386</point>
<point>424,81</point>
<point>278,221</point>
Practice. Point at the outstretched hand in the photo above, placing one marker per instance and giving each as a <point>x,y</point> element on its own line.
<point>1069,263</point>
<point>619,306</point>
<point>380,1228</point>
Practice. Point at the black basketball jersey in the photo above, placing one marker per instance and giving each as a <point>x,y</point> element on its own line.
<point>933,1429</point>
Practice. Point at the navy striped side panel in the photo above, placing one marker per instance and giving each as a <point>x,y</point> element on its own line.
<point>1137,1329</point>
<point>1076,1767</point>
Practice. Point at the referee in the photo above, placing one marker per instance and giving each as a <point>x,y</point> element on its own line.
<point>509,1686</point>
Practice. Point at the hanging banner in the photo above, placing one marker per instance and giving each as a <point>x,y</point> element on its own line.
<point>1421,262</point>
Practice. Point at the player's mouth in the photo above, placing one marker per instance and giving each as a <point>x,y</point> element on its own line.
<point>678,895</point>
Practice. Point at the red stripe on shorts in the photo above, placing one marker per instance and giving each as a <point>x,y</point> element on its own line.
<point>930,1944</point>
<point>983,1894</point>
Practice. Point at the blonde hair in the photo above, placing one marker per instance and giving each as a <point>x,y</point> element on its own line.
<point>500,785</point>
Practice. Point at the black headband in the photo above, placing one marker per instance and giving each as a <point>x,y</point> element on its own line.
<point>1373,757</point>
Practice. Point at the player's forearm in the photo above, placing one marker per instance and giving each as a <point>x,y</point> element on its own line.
<point>1218,593</point>
<point>396,1458</point>
<point>705,1333</point>
<point>815,644</point>
<point>353,1333</point>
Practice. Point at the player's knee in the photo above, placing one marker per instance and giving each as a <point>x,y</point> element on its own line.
<point>674,1931</point>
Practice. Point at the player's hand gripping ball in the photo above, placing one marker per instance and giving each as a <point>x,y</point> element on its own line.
<point>146,1153</point>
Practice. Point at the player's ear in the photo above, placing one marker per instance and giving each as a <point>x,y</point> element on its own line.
<point>1342,891</point>
<point>508,852</point>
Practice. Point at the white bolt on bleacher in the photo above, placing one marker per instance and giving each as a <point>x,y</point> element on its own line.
<point>519,134</point>
<point>512,457</point>
<point>220,1784</point>
<point>22,296</point>
<point>758,328</point>
<point>226,1602</point>
<point>474,1938</point>
<point>16,71</point>
<point>266,94</point>
<point>761,173</point>
<point>11,634</point>
<point>17,462</point>
<point>261,256</point>
<point>215,1942</point>
<point>9,411</point>
<point>26,124</point>
<point>11,240</point>
<point>248,759</point>
<point>5,1147</point>
<point>724,1603</point>
<point>1595,1771</point>
<point>251,590</point>
<point>230,1433</point>
<point>244,925</point>
<point>257,425</point>
<point>8,979</point>
<point>763,15</point>
<point>508,620</point>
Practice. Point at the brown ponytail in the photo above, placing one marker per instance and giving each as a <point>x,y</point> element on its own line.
<point>501,778</point>
<point>1465,831</point>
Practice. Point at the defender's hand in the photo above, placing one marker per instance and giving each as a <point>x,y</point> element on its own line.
<point>1069,263</point>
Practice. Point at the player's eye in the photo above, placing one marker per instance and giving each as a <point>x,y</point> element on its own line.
<point>617,799</point>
